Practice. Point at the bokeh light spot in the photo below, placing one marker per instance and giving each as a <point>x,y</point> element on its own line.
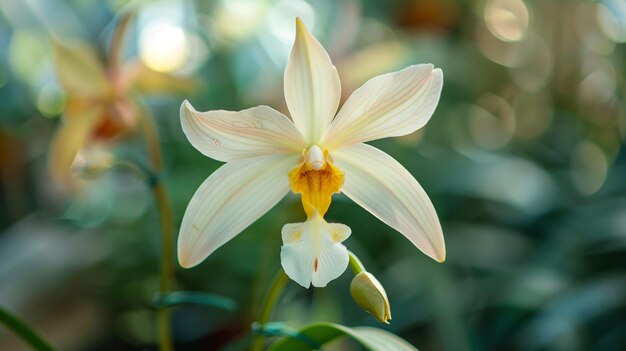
<point>491,122</point>
<point>589,31</point>
<point>50,100</point>
<point>238,19</point>
<point>507,19</point>
<point>533,114</point>
<point>589,167</point>
<point>535,66</point>
<point>612,19</point>
<point>281,19</point>
<point>163,46</point>
<point>599,82</point>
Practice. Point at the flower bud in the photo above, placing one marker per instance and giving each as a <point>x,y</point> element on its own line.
<point>368,293</point>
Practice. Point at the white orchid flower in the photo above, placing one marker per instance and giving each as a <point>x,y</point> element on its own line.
<point>314,155</point>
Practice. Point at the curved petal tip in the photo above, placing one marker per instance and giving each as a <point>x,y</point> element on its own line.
<point>300,25</point>
<point>186,257</point>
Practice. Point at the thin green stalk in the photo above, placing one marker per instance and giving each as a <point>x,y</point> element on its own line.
<point>137,169</point>
<point>355,264</point>
<point>20,328</point>
<point>167,226</point>
<point>269,303</point>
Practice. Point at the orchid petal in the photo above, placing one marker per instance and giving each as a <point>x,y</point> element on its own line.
<point>312,86</point>
<point>389,105</point>
<point>381,185</point>
<point>77,125</point>
<point>230,200</point>
<point>79,70</point>
<point>312,252</point>
<point>226,135</point>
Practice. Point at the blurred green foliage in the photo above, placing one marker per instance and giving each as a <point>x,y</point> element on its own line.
<point>523,159</point>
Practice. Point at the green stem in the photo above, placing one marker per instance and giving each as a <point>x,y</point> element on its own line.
<point>27,333</point>
<point>137,169</point>
<point>355,264</point>
<point>269,303</point>
<point>151,135</point>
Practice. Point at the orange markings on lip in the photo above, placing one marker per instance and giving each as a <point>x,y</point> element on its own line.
<point>316,186</point>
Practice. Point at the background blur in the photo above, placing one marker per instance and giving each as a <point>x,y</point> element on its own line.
<point>524,160</point>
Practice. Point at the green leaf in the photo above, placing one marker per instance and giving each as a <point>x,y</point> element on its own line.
<point>370,338</point>
<point>24,331</point>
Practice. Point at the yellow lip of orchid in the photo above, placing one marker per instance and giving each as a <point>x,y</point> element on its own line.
<point>317,179</point>
<point>316,153</point>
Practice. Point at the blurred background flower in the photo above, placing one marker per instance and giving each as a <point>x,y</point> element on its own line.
<point>524,161</point>
<point>103,102</point>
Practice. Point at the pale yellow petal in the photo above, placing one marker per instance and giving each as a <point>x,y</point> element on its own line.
<point>231,199</point>
<point>79,70</point>
<point>312,86</point>
<point>227,135</point>
<point>381,185</point>
<point>74,131</point>
<point>389,105</point>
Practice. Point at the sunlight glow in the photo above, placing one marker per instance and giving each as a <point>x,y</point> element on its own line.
<point>163,46</point>
<point>239,19</point>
